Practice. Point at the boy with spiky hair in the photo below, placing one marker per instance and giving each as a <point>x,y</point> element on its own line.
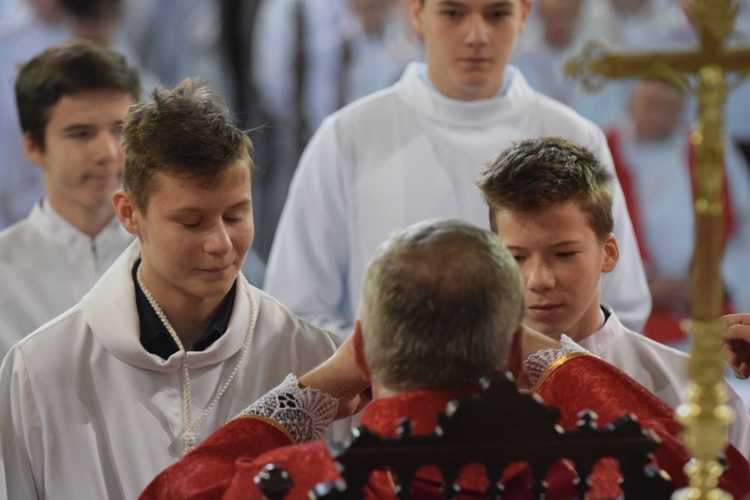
<point>550,202</point>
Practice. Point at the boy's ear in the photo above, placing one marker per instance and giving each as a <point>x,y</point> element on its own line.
<point>34,151</point>
<point>126,211</point>
<point>611,254</point>
<point>359,351</point>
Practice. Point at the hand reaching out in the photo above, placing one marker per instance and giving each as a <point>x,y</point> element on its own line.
<point>340,377</point>
<point>737,343</point>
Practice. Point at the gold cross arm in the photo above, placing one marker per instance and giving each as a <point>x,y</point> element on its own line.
<point>595,64</point>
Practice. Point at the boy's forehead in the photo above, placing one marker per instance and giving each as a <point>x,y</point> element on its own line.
<point>83,96</point>
<point>479,3</point>
<point>89,101</point>
<point>181,177</point>
<point>559,224</point>
<point>570,210</point>
<point>85,111</point>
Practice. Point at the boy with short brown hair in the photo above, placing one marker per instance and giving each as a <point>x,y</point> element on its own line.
<point>550,203</point>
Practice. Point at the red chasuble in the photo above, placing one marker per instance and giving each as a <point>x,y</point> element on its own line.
<point>225,464</point>
<point>585,381</point>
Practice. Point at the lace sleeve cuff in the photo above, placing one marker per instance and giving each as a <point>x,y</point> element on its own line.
<point>538,362</point>
<point>305,412</point>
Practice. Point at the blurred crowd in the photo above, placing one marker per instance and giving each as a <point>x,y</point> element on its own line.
<point>285,65</point>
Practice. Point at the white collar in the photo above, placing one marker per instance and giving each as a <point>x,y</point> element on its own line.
<point>110,312</point>
<point>606,335</point>
<point>419,93</point>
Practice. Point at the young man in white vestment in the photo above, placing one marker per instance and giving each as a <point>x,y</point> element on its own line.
<point>550,202</point>
<point>71,99</point>
<point>172,341</point>
<point>412,152</point>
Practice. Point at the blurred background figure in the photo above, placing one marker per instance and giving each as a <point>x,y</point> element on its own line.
<point>654,161</point>
<point>310,58</point>
<point>630,24</point>
<point>40,24</point>
<point>562,28</point>
<point>374,49</point>
<point>31,26</point>
<point>677,32</point>
<point>176,39</point>
<point>558,39</point>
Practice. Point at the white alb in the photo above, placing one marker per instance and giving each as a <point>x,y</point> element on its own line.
<point>87,412</point>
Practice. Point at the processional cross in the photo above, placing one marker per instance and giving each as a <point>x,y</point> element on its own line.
<point>704,415</point>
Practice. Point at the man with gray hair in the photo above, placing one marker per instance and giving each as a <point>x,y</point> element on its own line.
<point>438,294</point>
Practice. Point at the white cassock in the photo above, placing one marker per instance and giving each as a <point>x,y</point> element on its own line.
<point>660,369</point>
<point>87,412</point>
<point>46,266</point>
<point>404,155</point>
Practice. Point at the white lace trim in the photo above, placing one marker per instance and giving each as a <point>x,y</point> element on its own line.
<point>538,362</point>
<point>305,412</point>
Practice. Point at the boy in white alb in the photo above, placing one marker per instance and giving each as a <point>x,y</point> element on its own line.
<point>172,341</point>
<point>412,152</point>
<point>551,203</point>
<point>71,99</point>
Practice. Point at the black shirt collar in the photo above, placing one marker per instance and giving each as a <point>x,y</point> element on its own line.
<point>156,339</point>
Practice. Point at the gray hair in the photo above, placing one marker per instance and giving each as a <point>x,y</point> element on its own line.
<point>441,303</point>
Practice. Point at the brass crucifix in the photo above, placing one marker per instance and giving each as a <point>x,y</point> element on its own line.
<point>704,414</point>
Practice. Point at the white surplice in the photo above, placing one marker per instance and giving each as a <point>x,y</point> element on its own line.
<point>87,412</point>
<point>46,266</point>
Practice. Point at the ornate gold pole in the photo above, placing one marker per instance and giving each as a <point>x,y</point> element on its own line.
<point>704,414</point>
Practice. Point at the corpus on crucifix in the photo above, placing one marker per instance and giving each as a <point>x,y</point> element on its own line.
<point>705,69</point>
